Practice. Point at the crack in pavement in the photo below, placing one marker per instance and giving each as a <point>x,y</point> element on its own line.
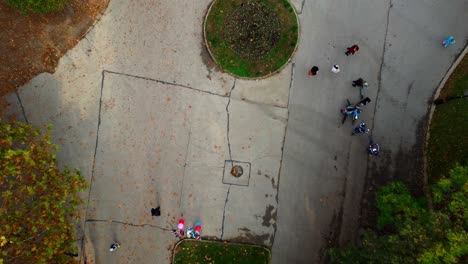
<point>293,68</point>
<point>129,224</point>
<point>224,211</point>
<point>230,156</point>
<point>96,146</point>
<point>291,81</point>
<point>379,87</point>
<point>94,159</point>
<point>381,64</point>
<point>228,117</point>
<point>22,107</point>
<point>167,83</point>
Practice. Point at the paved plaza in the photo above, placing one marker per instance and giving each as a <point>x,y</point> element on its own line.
<point>140,108</point>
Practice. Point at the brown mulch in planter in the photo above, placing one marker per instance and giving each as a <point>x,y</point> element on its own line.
<point>33,44</point>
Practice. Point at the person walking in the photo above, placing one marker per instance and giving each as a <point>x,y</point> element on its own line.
<point>313,71</point>
<point>335,69</point>
<point>351,50</point>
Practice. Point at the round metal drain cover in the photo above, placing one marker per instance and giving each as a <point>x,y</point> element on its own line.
<point>237,171</point>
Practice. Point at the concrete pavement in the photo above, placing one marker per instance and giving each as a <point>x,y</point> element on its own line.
<point>324,169</point>
<point>323,166</point>
<point>139,108</point>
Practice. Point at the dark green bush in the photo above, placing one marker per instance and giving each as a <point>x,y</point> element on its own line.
<point>37,6</point>
<point>410,232</point>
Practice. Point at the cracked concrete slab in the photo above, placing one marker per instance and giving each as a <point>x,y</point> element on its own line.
<point>147,128</point>
<point>203,200</point>
<point>159,40</point>
<point>69,100</point>
<point>164,144</point>
<point>256,136</point>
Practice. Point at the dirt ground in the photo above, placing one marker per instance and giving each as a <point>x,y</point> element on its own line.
<point>33,44</point>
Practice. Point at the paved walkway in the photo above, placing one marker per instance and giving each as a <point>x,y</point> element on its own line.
<point>324,169</point>
<point>139,108</point>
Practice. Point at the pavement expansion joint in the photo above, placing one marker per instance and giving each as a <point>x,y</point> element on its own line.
<point>96,145</point>
<point>94,155</point>
<point>228,118</point>
<point>291,81</point>
<point>163,82</point>
<point>125,223</point>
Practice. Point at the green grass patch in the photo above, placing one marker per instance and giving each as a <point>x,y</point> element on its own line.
<point>448,142</point>
<point>237,63</point>
<point>37,6</point>
<point>193,251</point>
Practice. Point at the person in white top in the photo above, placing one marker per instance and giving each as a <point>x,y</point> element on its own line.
<point>335,69</point>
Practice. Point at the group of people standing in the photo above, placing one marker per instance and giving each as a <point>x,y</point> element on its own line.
<point>194,233</point>
<point>362,84</point>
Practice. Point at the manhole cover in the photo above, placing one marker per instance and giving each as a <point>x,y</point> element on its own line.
<point>237,171</point>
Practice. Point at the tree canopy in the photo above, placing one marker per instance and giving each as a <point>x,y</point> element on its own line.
<point>410,232</point>
<point>38,201</point>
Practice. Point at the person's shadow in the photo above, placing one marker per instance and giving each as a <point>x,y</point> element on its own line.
<point>156,211</point>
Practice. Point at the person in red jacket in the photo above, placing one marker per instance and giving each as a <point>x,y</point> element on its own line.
<point>313,71</point>
<point>351,50</point>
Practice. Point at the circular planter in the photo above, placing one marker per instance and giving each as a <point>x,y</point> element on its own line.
<point>251,39</point>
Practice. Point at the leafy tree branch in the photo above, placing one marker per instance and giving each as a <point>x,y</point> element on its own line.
<point>38,201</point>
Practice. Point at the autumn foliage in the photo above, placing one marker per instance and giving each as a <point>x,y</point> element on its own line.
<point>38,201</point>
